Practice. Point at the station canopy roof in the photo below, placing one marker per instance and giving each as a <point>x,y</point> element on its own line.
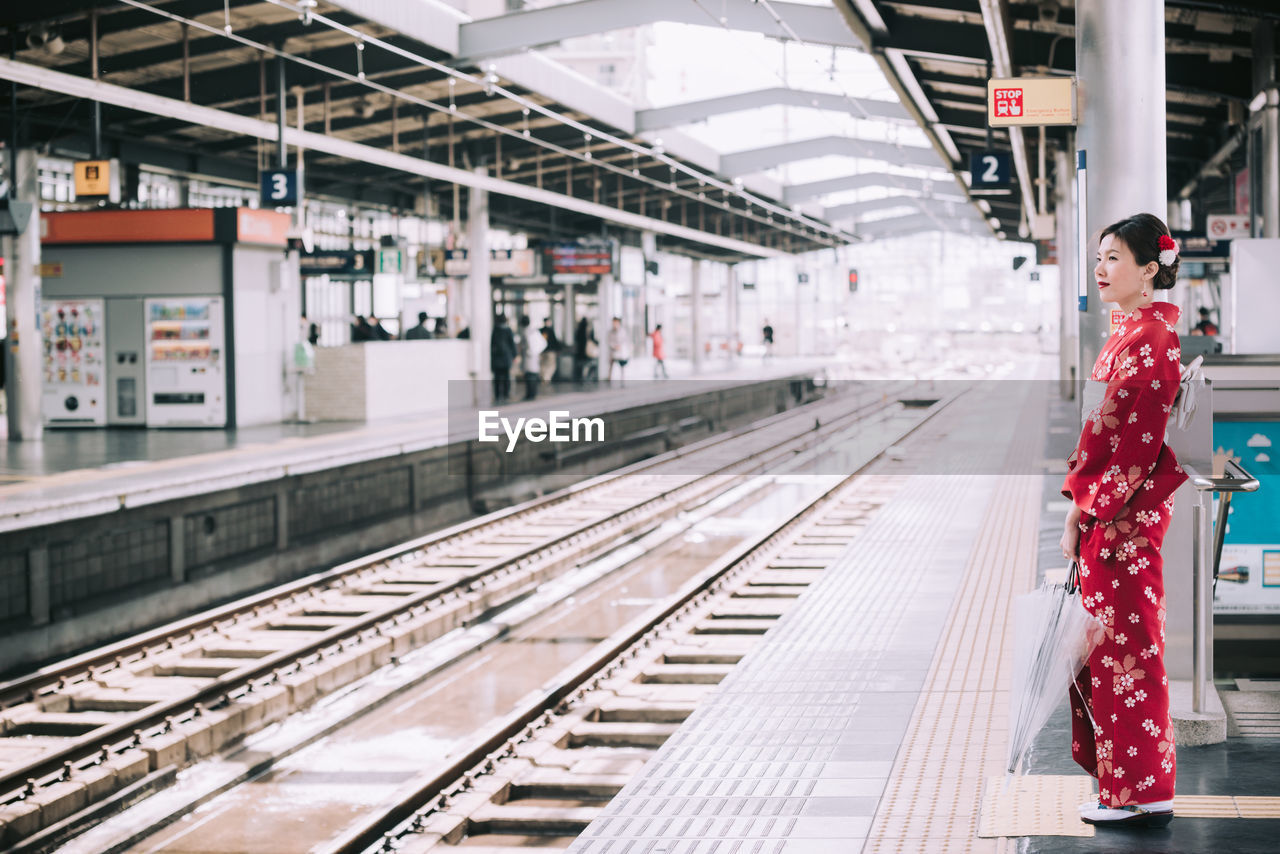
<point>407,91</point>
<point>936,54</point>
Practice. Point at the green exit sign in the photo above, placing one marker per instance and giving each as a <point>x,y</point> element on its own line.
<point>389,260</point>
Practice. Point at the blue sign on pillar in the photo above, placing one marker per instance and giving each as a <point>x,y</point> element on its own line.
<point>279,188</point>
<point>990,169</point>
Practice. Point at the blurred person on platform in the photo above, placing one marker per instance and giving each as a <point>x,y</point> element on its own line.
<point>551,352</point>
<point>531,344</point>
<point>619,350</point>
<point>502,352</point>
<point>659,352</point>
<point>585,351</point>
<point>1206,326</point>
<point>420,332</point>
<point>361,331</point>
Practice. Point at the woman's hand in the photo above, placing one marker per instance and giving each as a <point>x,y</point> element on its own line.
<point>1070,543</point>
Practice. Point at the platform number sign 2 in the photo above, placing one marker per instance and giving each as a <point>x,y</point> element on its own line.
<point>989,169</point>
<point>279,188</point>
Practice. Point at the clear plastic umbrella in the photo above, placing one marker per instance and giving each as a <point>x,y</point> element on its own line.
<point>1053,638</point>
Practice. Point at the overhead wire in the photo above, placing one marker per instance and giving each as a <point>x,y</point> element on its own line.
<point>803,224</point>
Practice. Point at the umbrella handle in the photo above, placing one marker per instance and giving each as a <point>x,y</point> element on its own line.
<point>1073,577</point>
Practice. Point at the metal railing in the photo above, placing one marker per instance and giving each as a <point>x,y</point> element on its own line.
<point>1207,552</point>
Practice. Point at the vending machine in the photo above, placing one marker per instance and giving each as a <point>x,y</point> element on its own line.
<point>186,368</point>
<point>74,362</point>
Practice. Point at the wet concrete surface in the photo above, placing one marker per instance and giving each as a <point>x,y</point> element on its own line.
<point>312,795</point>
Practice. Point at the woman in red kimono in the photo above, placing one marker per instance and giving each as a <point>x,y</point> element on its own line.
<point>1121,479</point>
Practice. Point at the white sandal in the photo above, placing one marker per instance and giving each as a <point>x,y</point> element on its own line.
<point>1155,814</point>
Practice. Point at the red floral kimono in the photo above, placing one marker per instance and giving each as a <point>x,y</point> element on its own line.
<point>1122,476</point>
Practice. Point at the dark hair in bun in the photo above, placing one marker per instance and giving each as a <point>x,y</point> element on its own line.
<point>1142,233</point>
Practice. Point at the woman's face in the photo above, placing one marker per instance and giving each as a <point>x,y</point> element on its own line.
<point>1120,279</point>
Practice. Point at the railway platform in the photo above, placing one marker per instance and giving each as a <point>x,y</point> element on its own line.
<point>873,716</point>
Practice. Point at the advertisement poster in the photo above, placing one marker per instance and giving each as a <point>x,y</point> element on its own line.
<point>1249,573</point>
<point>74,361</point>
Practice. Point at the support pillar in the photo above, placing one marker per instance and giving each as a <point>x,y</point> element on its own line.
<point>1069,315</point>
<point>1120,55</point>
<point>23,381</point>
<point>604,324</point>
<point>1268,156</point>
<point>695,312</point>
<point>478,285</point>
<point>731,296</point>
<point>569,324</point>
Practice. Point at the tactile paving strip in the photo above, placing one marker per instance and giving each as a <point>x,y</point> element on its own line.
<point>957,737</point>
<point>1032,805</point>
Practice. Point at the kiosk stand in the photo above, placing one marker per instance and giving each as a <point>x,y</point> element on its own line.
<point>168,318</point>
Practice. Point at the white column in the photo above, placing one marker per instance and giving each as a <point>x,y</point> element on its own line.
<point>1068,321</point>
<point>478,298</point>
<point>695,313</point>
<point>1264,83</point>
<point>1120,56</point>
<point>1270,157</point>
<point>604,324</point>
<point>732,285</point>
<point>23,383</point>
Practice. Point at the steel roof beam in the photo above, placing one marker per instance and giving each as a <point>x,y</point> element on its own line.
<point>26,74</point>
<point>805,192</point>
<point>696,111</point>
<point>518,31</point>
<point>957,208</point>
<point>760,159</point>
<point>915,223</point>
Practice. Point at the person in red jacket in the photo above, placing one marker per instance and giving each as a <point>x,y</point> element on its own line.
<point>1121,479</point>
<point>659,352</point>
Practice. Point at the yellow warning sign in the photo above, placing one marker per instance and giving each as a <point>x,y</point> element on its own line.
<point>93,178</point>
<point>1031,101</point>
<point>49,271</point>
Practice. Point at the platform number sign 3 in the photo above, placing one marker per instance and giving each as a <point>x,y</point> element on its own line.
<point>989,169</point>
<point>279,188</point>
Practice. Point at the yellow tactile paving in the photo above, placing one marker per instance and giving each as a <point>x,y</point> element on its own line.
<point>1252,807</point>
<point>957,738</point>
<point>1032,806</point>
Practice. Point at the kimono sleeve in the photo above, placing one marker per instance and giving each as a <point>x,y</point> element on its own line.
<point>1119,447</point>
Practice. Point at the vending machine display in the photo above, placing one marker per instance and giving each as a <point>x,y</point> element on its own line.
<point>74,362</point>
<point>186,374</point>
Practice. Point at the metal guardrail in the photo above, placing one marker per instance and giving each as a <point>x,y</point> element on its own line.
<point>1207,552</point>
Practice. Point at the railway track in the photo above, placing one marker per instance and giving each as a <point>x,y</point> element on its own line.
<point>537,778</point>
<point>79,733</point>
